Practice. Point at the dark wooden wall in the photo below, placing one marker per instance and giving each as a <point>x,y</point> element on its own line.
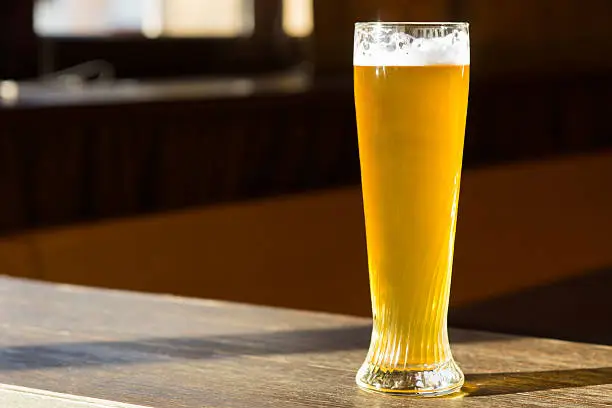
<point>18,44</point>
<point>507,36</point>
<point>66,164</point>
<point>541,86</point>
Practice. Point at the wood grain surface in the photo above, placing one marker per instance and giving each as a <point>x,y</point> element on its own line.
<point>170,352</point>
<point>21,397</point>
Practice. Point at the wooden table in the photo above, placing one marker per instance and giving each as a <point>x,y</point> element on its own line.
<point>168,352</point>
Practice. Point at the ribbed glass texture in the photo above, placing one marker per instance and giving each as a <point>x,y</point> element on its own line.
<point>411,92</point>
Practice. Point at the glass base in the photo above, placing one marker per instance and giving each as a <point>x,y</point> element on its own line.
<point>436,381</point>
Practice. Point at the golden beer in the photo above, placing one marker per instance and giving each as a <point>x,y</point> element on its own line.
<point>411,125</point>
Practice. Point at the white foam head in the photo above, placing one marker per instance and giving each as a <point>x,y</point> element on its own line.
<point>405,44</point>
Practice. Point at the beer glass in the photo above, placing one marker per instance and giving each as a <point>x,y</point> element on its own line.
<point>411,96</point>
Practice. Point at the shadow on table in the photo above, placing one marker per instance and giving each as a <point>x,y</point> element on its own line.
<point>477,385</point>
<point>150,350</point>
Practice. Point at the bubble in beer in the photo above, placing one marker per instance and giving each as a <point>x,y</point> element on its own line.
<point>383,45</point>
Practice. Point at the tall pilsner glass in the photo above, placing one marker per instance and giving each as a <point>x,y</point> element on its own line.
<point>411,96</point>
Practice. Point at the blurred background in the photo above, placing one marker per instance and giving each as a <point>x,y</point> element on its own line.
<point>208,148</point>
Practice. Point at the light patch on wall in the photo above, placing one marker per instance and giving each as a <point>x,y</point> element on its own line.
<point>151,18</point>
<point>208,18</point>
<point>298,20</point>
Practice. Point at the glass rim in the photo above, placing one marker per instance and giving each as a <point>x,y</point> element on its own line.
<point>424,24</point>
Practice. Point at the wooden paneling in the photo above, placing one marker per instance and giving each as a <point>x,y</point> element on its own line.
<point>519,226</point>
<point>508,37</point>
<point>530,224</point>
<point>71,164</point>
<point>541,24</point>
<point>265,252</point>
<point>18,43</point>
<point>59,155</point>
<point>511,36</point>
<point>18,257</point>
<point>65,164</point>
<point>13,213</point>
